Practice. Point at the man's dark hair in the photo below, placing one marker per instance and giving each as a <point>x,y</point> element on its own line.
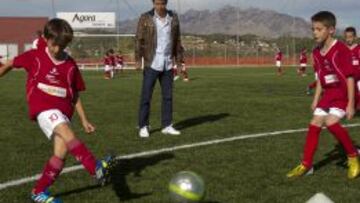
<point>351,29</point>
<point>325,17</point>
<point>59,31</point>
<point>166,1</point>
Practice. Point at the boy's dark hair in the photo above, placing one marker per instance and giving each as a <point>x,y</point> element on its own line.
<point>38,33</point>
<point>59,31</point>
<point>325,17</point>
<point>166,1</point>
<point>351,29</point>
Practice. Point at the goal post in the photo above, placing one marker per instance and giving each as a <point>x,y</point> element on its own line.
<point>89,49</point>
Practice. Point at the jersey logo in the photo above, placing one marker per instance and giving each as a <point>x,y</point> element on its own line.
<point>52,90</point>
<point>331,78</point>
<point>51,76</point>
<point>53,117</point>
<point>327,65</point>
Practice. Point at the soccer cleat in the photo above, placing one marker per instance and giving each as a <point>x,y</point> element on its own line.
<point>44,197</point>
<point>102,173</point>
<point>354,167</point>
<point>176,77</point>
<point>170,130</point>
<point>300,170</point>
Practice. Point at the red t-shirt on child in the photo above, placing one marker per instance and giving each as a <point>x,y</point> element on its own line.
<point>333,68</point>
<point>50,84</point>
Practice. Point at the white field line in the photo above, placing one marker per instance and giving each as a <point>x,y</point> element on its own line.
<point>29,179</point>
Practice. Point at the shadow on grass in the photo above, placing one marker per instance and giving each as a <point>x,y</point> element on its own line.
<point>336,155</point>
<point>118,174</point>
<point>133,166</point>
<point>199,120</point>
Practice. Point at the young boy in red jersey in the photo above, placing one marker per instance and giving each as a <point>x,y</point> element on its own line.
<point>303,63</point>
<point>278,59</point>
<point>53,85</point>
<point>350,39</point>
<point>183,69</point>
<point>119,60</point>
<point>334,96</point>
<point>109,63</point>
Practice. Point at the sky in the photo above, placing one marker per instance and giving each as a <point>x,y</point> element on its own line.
<point>345,10</point>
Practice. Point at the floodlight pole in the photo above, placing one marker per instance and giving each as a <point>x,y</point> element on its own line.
<point>53,8</point>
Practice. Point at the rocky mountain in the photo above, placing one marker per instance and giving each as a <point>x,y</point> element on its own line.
<point>232,20</point>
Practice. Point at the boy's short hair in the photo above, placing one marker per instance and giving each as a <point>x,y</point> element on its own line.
<point>351,29</point>
<point>325,17</point>
<point>166,1</point>
<point>59,31</point>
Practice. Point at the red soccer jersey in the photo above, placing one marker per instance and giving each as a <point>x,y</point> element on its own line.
<point>332,69</point>
<point>278,56</point>
<point>41,43</point>
<point>303,58</point>
<point>355,59</point>
<point>107,60</point>
<point>119,59</point>
<point>50,84</point>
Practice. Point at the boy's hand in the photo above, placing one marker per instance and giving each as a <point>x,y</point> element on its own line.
<point>350,111</point>
<point>88,127</point>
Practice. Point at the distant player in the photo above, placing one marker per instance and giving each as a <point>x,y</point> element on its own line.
<point>278,60</point>
<point>350,39</point>
<point>334,96</point>
<point>53,85</point>
<point>119,60</point>
<point>303,63</point>
<point>183,72</point>
<point>109,63</point>
<point>39,42</point>
<point>183,68</point>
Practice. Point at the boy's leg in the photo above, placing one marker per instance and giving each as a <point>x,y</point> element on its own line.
<point>311,143</point>
<point>77,148</point>
<point>53,167</point>
<point>341,134</point>
<point>312,140</point>
<point>185,74</point>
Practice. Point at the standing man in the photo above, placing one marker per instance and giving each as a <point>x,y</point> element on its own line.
<point>158,43</point>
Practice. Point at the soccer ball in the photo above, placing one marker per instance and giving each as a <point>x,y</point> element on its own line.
<point>186,187</point>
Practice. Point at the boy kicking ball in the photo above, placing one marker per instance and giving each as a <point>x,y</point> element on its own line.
<point>53,85</point>
<point>334,95</point>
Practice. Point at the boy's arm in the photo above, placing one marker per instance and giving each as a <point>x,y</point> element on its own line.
<point>4,69</point>
<point>317,94</point>
<point>350,109</point>
<point>88,127</point>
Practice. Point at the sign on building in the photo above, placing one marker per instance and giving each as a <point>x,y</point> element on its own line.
<point>82,20</point>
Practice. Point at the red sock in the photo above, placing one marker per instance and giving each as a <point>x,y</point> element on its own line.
<point>83,155</point>
<point>312,85</point>
<point>343,137</point>
<point>311,143</point>
<point>51,171</point>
